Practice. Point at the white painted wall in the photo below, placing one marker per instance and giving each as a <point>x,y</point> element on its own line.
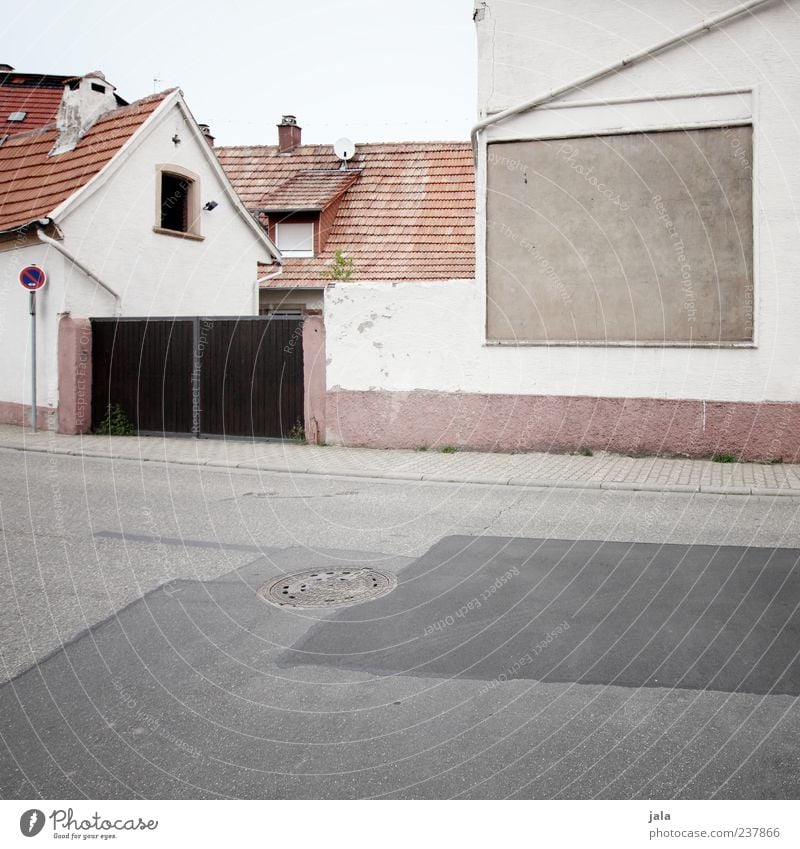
<point>15,361</point>
<point>431,335</point>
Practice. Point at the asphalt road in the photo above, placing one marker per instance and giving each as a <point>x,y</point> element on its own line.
<point>634,645</point>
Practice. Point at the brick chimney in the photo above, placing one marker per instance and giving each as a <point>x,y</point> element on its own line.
<point>288,134</point>
<point>84,100</point>
<point>206,131</point>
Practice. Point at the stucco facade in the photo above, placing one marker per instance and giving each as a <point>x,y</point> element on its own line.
<point>420,352</point>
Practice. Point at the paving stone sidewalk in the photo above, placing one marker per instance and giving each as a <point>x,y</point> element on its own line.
<point>601,471</point>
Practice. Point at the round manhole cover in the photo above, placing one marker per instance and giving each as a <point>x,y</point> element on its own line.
<point>328,587</point>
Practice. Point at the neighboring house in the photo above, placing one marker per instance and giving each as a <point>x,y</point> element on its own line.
<point>403,215</point>
<point>128,211</point>
<point>637,229</point>
<point>31,101</point>
<point>637,245</point>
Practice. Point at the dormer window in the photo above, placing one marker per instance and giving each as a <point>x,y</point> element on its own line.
<point>294,238</point>
<point>178,206</point>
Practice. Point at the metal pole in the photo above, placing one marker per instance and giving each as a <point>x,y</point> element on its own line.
<point>32,310</point>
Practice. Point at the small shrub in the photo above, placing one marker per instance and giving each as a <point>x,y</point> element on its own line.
<point>723,457</point>
<point>298,432</point>
<point>448,449</point>
<point>115,422</point>
<point>586,452</point>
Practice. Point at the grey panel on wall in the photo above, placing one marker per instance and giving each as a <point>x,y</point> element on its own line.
<point>641,237</point>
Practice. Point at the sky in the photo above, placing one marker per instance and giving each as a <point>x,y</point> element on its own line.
<point>371,70</point>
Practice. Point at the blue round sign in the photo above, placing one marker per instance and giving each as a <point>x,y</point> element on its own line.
<point>32,278</point>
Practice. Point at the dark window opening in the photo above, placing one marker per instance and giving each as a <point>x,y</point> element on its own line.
<point>175,202</point>
<point>98,87</point>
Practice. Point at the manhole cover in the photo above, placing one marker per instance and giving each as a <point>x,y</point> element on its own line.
<point>328,587</point>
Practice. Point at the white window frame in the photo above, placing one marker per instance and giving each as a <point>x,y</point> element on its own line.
<point>289,252</point>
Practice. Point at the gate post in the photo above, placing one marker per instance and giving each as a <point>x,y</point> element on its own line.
<point>196,367</point>
<point>74,375</point>
<point>314,383</point>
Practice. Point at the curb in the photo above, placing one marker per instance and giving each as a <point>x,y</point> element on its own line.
<point>523,483</point>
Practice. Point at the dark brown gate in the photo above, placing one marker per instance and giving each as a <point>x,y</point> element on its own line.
<point>251,377</point>
<point>201,376</point>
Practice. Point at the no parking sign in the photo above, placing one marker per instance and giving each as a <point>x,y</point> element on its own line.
<point>32,278</point>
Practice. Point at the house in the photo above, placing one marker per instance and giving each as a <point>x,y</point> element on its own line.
<point>636,246</point>
<point>31,101</point>
<point>403,217</point>
<point>127,210</point>
<point>637,227</point>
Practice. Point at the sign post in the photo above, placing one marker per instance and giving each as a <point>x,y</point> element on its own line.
<point>32,278</point>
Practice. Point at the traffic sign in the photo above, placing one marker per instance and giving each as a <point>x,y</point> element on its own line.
<point>32,278</point>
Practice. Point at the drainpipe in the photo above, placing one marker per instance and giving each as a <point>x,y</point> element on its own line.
<point>633,59</point>
<point>91,275</point>
<point>264,280</point>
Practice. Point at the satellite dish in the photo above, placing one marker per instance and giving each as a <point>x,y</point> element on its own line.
<point>344,149</point>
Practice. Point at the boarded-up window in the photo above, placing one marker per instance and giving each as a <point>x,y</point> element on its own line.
<point>643,237</point>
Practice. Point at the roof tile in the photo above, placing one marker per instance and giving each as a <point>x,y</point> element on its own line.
<point>33,184</point>
<point>410,215</point>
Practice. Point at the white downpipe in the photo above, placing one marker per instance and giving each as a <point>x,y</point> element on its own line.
<point>706,25</point>
<point>264,280</point>
<point>79,265</point>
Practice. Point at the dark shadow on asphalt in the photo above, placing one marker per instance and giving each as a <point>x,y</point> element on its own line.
<point>626,614</point>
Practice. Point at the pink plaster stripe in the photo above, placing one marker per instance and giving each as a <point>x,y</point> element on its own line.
<point>753,431</point>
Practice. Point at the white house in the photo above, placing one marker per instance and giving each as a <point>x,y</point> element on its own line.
<point>637,246</point>
<point>128,211</point>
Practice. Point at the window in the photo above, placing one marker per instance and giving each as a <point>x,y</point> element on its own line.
<point>295,239</point>
<point>178,206</point>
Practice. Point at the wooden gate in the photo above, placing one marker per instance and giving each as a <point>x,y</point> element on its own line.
<point>201,376</point>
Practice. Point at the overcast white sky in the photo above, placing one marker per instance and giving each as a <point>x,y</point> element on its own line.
<point>374,70</point>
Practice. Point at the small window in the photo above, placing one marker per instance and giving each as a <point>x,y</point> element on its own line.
<point>295,239</point>
<point>17,116</point>
<point>176,193</point>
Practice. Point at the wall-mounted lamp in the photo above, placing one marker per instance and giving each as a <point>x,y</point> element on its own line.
<point>212,204</point>
<point>176,139</point>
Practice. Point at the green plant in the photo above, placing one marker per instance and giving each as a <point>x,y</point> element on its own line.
<point>586,452</point>
<point>723,457</point>
<point>448,449</point>
<point>115,422</point>
<point>340,268</point>
<point>298,432</point>
<point>421,448</point>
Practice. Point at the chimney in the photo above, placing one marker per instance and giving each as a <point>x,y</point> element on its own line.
<point>84,100</point>
<point>206,131</point>
<point>288,134</point>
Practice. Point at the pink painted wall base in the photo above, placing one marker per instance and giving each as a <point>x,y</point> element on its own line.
<point>20,414</point>
<point>639,426</point>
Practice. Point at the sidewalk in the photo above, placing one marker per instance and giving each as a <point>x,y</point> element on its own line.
<point>602,471</point>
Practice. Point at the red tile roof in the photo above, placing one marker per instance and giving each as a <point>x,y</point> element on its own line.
<point>409,216</point>
<point>33,184</point>
<point>310,190</point>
